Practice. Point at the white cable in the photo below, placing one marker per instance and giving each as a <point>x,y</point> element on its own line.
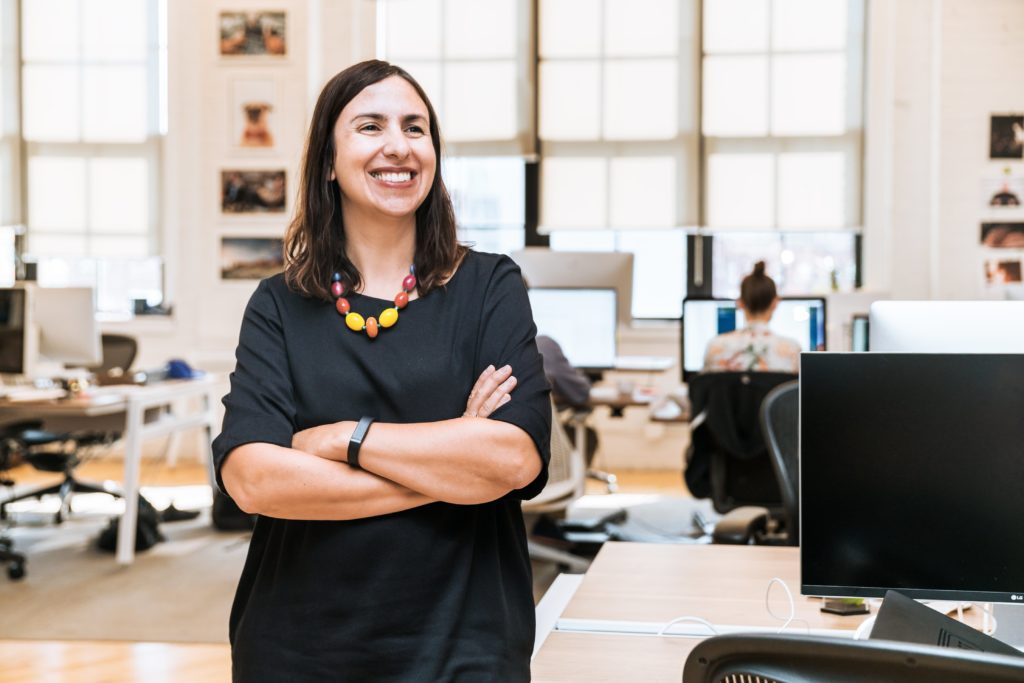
<point>986,609</point>
<point>679,620</point>
<point>792,606</point>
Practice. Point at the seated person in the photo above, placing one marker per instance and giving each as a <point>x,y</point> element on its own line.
<point>570,388</point>
<point>755,347</point>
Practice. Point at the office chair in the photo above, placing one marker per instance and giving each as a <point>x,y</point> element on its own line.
<point>567,473</point>
<point>15,561</point>
<point>727,460</point>
<point>55,452</point>
<point>770,658</point>
<point>780,424</point>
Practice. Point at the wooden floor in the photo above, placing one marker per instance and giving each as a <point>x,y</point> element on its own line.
<point>128,662</point>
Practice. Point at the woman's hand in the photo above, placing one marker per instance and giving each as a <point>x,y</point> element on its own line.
<point>492,389</point>
<point>324,440</point>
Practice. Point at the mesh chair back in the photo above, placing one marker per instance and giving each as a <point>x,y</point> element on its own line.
<point>566,469</point>
<point>780,424</point>
<point>771,658</point>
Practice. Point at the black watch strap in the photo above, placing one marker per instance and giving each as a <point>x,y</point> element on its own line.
<point>354,444</point>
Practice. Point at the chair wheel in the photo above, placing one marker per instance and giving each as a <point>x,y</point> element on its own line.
<point>16,570</point>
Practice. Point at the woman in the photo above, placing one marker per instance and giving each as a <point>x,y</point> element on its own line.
<point>394,551</point>
<point>755,347</point>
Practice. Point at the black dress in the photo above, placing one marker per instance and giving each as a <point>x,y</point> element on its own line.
<point>438,593</point>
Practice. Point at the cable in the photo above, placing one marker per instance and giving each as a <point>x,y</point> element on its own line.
<point>864,630</point>
<point>679,620</point>
<point>986,609</point>
<point>792,606</point>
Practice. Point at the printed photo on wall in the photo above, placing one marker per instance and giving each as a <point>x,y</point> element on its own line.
<point>244,191</point>
<point>1003,192</point>
<point>1002,235</point>
<point>1002,272</point>
<point>250,258</point>
<point>252,112</point>
<point>1007,137</point>
<point>252,34</point>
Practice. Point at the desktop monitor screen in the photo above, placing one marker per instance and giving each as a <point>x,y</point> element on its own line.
<point>800,319</point>
<point>12,331</point>
<point>543,267</point>
<point>910,475</point>
<point>582,321</point>
<point>68,330</point>
<point>947,326</point>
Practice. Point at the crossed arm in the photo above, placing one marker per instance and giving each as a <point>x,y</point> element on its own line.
<point>404,465</point>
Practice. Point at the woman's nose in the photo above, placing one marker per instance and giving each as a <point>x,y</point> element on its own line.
<point>395,143</point>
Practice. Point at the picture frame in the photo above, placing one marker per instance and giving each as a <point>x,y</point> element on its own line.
<point>253,191</point>
<point>250,257</point>
<point>1006,137</point>
<point>254,114</point>
<point>253,34</point>
<point>1003,235</point>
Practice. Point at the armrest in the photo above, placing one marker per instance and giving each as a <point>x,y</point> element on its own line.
<point>739,526</point>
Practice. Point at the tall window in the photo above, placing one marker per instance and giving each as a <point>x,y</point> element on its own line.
<point>91,102</point>
<point>782,127</point>
<point>10,187</point>
<point>474,60</point>
<point>619,138</point>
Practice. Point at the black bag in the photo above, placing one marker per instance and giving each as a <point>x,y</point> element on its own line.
<point>227,516</point>
<point>147,529</point>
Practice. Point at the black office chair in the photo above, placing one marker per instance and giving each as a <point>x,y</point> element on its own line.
<point>15,562</point>
<point>56,452</point>
<point>770,658</point>
<point>780,424</point>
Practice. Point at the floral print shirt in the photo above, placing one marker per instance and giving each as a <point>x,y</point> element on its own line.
<point>754,348</point>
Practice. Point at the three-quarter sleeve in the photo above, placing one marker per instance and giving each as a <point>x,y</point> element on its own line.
<point>260,406</point>
<point>508,337</point>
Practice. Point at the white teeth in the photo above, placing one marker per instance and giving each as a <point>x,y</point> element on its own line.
<point>403,177</point>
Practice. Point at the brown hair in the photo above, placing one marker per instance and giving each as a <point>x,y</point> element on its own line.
<point>757,291</point>
<point>314,244</point>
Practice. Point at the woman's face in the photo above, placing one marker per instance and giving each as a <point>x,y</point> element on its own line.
<point>384,160</point>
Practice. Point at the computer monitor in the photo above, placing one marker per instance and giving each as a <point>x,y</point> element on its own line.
<point>544,267</point>
<point>947,326</point>
<point>13,329</point>
<point>68,331</point>
<point>582,321</point>
<point>799,318</point>
<point>859,333</point>
<point>910,475</point>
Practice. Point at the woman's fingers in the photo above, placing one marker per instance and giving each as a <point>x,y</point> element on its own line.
<point>488,391</point>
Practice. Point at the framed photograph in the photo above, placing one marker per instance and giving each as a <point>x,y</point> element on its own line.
<point>247,191</point>
<point>253,34</point>
<point>1000,272</point>
<point>1006,140</point>
<point>1002,235</point>
<point>250,258</point>
<point>1003,193</point>
<point>253,104</point>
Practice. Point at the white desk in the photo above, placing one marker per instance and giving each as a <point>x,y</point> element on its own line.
<point>130,405</point>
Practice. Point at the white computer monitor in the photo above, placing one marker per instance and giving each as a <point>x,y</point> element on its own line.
<point>68,331</point>
<point>947,326</point>
<point>800,319</point>
<point>543,267</point>
<point>581,320</point>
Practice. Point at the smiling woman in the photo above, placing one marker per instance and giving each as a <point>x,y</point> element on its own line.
<point>386,455</point>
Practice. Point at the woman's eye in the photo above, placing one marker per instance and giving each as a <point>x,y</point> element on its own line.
<point>415,129</point>
<point>370,128</point>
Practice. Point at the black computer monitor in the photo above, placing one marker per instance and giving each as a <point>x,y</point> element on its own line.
<point>799,318</point>
<point>912,475</point>
<point>13,307</point>
<point>582,321</point>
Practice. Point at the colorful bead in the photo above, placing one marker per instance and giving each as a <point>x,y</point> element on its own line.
<point>342,305</point>
<point>409,283</point>
<point>336,277</point>
<point>337,289</point>
<point>371,328</point>
<point>388,317</point>
<point>401,299</point>
<point>355,322</point>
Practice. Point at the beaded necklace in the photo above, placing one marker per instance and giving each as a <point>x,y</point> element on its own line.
<point>387,318</point>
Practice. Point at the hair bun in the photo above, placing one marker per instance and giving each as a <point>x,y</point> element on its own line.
<point>759,269</point>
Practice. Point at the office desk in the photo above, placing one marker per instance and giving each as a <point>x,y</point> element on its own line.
<point>125,410</point>
<point>610,658</point>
